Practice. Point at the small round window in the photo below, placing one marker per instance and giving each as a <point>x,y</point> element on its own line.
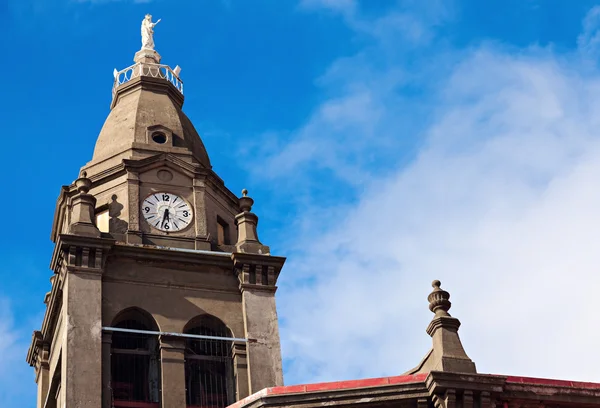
<point>159,138</point>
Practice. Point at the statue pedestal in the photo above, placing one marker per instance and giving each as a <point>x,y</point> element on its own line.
<point>147,56</point>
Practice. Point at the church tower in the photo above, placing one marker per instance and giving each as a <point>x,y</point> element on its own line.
<point>162,295</point>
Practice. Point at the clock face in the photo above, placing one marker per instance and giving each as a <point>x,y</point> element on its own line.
<point>167,212</point>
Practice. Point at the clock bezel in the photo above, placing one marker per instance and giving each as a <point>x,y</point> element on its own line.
<point>192,218</point>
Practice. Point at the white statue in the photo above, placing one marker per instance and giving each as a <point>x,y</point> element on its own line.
<point>148,32</point>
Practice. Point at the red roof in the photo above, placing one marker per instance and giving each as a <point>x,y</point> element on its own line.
<point>329,386</point>
<point>400,379</point>
<point>553,383</point>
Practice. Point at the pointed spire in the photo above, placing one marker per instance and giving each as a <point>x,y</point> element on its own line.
<point>83,209</point>
<point>447,353</point>
<point>247,222</point>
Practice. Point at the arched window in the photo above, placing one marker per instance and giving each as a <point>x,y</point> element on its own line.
<point>135,361</point>
<point>208,364</point>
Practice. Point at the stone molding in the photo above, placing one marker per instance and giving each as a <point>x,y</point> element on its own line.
<point>151,84</point>
<point>446,322</point>
<point>448,390</point>
<point>257,272</point>
<point>158,254</point>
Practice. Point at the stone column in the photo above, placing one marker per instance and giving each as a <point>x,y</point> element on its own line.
<point>422,403</point>
<point>43,375</point>
<point>450,399</point>
<point>240,367</point>
<point>468,399</point>
<point>200,216</point>
<point>257,273</point>
<point>485,400</point>
<point>134,236</point>
<point>106,370</point>
<point>262,330</point>
<point>82,346</point>
<point>172,356</point>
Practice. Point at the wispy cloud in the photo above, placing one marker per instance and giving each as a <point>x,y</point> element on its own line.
<point>499,200</point>
<point>8,335</point>
<point>112,1</point>
<point>14,372</point>
<point>343,6</point>
<point>589,40</point>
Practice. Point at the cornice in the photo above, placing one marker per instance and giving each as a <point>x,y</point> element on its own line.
<point>33,351</point>
<point>257,272</point>
<point>555,391</point>
<point>67,240</point>
<point>59,212</point>
<point>145,82</point>
<point>163,254</point>
<point>217,184</point>
<point>254,287</point>
<point>310,396</point>
<point>52,309</point>
<point>140,165</point>
<point>240,258</point>
<point>439,381</point>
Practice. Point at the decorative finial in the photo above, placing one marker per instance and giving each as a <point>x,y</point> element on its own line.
<point>439,302</point>
<point>245,202</point>
<point>148,32</point>
<point>83,183</point>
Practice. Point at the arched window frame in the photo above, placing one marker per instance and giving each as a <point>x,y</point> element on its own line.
<point>135,361</point>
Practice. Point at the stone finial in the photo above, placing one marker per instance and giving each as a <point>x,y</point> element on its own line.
<point>247,222</point>
<point>83,183</point>
<point>439,302</point>
<point>245,202</point>
<point>83,207</point>
<point>447,353</point>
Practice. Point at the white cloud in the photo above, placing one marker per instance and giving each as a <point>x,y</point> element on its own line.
<point>343,6</point>
<point>501,202</point>
<point>16,378</point>
<point>8,337</point>
<point>589,40</point>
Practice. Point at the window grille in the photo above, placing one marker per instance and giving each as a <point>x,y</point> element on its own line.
<point>209,366</point>
<point>135,366</point>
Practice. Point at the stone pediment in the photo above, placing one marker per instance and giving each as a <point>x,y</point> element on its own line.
<point>163,159</point>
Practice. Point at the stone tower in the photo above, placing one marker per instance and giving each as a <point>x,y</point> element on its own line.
<point>162,294</point>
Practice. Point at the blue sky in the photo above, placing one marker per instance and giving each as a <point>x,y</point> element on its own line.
<point>386,143</point>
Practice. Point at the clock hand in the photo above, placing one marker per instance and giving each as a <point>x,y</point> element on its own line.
<point>166,216</point>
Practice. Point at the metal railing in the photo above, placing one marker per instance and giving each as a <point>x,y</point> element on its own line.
<point>147,69</point>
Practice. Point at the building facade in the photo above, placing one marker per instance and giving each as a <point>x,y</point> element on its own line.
<point>163,296</point>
